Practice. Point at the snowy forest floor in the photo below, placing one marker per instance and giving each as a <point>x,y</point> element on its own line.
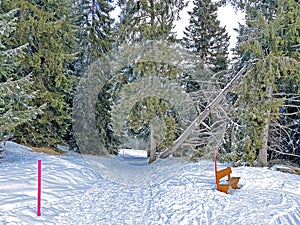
<point>98,190</point>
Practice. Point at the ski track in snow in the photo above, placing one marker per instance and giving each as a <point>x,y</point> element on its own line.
<point>92,190</point>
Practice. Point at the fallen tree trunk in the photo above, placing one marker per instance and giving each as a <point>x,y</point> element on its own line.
<point>179,141</point>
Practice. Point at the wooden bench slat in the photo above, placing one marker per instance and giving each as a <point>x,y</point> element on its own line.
<point>224,172</point>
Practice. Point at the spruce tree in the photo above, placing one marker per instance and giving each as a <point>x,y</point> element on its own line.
<point>141,21</point>
<point>93,18</point>
<point>269,41</point>
<point>16,93</point>
<point>148,20</point>
<point>205,36</point>
<point>46,27</point>
<point>287,123</point>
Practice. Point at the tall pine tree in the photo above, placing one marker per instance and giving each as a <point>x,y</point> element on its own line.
<point>148,20</point>
<point>16,93</point>
<point>269,40</point>
<point>46,27</point>
<point>94,21</point>
<point>206,37</point>
<point>141,21</point>
<point>95,32</point>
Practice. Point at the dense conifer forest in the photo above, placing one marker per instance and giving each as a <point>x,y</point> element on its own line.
<point>74,74</point>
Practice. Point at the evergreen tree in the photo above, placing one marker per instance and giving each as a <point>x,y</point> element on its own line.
<point>16,92</point>
<point>9,57</point>
<point>46,27</point>
<point>206,37</point>
<point>141,21</point>
<point>147,20</point>
<point>269,41</point>
<point>287,125</point>
<point>95,35</point>
<point>95,27</point>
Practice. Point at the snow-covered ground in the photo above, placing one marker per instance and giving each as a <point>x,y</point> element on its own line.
<point>112,190</point>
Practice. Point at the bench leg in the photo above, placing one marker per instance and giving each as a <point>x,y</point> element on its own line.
<point>223,188</point>
<point>234,182</point>
<point>235,185</point>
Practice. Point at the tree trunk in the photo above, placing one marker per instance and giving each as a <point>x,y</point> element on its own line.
<point>262,157</point>
<point>152,147</point>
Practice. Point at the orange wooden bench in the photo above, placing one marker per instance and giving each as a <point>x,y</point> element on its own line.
<point>231,181</point>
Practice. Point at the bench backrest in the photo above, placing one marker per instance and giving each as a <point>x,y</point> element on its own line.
<point>222,173</point>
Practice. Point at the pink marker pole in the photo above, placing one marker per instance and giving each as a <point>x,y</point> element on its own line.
<point>215,161</point>
<point>39,187</point>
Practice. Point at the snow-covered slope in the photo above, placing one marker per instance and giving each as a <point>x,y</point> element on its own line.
<point>94,190</point>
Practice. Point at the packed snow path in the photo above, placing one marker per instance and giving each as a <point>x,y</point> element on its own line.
<point>93,190</point>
